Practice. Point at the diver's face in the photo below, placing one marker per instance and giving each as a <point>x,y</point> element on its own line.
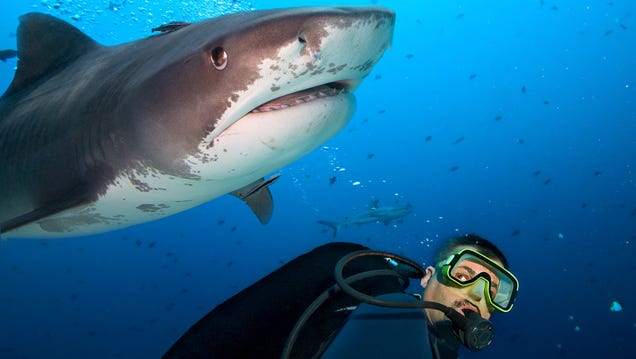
<point>471,297</point>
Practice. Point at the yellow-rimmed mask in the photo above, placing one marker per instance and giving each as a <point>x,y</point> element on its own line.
<point>468,267</point>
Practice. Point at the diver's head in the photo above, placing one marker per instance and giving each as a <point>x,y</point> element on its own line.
<point>470,273</point>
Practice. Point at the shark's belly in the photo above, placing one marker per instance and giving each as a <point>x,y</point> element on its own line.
<point>131,199</point>
<point>238,157</point>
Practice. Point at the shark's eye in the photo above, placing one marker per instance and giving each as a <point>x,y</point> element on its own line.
<point>219,58</point>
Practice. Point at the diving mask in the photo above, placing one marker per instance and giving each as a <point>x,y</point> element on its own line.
<point>468,267</point>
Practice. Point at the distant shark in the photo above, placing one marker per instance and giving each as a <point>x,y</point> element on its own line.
<point>95,138</point>
<point>375,214</point>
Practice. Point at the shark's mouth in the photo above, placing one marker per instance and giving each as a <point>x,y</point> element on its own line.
<point>301,97</point>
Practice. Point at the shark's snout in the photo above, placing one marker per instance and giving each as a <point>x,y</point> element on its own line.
<point>303,86</point>
<point>325,53</point>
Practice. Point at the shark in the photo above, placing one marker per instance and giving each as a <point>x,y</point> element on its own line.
<point>375,214</point>
<point>95,138</point>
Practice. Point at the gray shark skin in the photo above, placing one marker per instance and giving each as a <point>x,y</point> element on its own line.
<point>95,138</point>
<point>374,215</point>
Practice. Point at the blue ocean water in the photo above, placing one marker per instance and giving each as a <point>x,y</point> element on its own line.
<point>515,120</point>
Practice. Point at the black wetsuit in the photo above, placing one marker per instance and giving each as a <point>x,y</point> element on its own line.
<point>377,332</point>
<point>256,322</point>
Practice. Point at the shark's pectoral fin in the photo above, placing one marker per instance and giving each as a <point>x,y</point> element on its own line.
<point>258,197</point>
<point>75,198</point>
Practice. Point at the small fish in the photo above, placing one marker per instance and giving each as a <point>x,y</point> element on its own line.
<point>428,138</point>
<point>332,180</point>
<point>516,232</point>
<point>458,140</point>
<point>454,168</point>
<point>523,89</point>
<point>116,5</point>
<point>608,32</point>
<point>410,56</point>
<point>616,306</point>
<point>472,76</point>
<point>547,181</point>
<point>370,156</point>
<point>536,173</point>
<point>498,118</point>
<point>597,173</point>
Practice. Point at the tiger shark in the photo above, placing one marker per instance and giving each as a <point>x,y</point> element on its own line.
<point>94,138</point>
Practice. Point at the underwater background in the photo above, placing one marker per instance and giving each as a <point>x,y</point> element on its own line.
<point>515,120</point>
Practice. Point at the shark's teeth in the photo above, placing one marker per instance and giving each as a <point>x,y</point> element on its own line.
<point>299,98</point>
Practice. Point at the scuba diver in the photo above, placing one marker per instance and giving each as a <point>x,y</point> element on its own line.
<point>342,300</point>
